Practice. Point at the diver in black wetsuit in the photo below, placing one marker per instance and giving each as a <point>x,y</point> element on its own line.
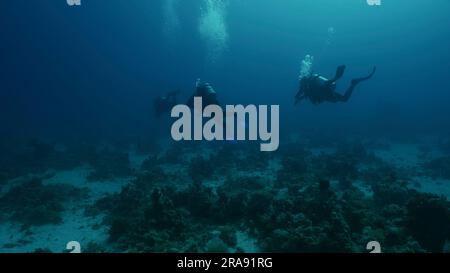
<point>165,103</point>
<point>206,92</point>
<point>319,89</point>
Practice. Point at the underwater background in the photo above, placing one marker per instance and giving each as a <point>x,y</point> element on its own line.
<point>83,157</point>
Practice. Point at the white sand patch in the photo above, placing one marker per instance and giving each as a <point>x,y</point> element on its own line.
<point>268,174</point>
<point>363,187</point>
<point>411,156</point>
<point>401,155</point>
<point>75,225</point>
<point>136,160</point>
<point>431,185</point>
<point>246,243</point>
<point>77,178</point>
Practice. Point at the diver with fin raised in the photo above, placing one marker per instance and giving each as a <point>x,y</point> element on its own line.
<point>319,89</point>
<point>206,92</point>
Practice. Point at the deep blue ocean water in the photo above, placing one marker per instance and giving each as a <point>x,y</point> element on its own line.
<point>84,158</point>
<point>93,70</point>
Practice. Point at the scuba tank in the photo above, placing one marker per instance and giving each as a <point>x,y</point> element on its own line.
<point>323,83</point>
<point>204,88</point>
<point>207,92</point>
<point>207,89</point>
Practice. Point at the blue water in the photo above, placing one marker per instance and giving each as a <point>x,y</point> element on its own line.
<point>80,143</point>
<point>93,70</point>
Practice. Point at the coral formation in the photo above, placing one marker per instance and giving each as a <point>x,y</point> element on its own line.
<point>33,203</point>
<point>428,220</point>
<point>439,167</point>
<point>205,198</point>
<point>108,164</point>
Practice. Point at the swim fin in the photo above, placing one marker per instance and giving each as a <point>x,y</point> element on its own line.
<point>358,80</point>
<point>339,73</point>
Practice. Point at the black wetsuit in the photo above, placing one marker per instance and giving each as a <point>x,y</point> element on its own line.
<point>207,93</point>
<point>319,89</point>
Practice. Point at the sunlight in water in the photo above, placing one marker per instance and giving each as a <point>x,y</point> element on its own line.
<point>171,21</point>
<point>330,36</point>
<point>213,29</point>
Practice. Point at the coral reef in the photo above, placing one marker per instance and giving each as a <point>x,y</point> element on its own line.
<point>33,203</point>
<point>108,164</point>
<point>35,156</point>
<point>200,197</point>
<point>438,167</point>
<point>146,220</point>
<point>200,169</point>
<point>428,220</point>
<point>301,212</point>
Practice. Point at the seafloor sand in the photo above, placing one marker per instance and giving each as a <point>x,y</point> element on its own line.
<point>76,226</point>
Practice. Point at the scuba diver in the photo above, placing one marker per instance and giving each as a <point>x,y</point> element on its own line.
<point>204,90</point>
<point>209,97</point>
<point>165,103</point>
<point>319,89</point>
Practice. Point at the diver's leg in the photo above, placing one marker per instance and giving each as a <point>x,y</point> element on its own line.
<point>299,98</point>
<point>346,96</point>
<point>355,82</point>
<point>358,80</point>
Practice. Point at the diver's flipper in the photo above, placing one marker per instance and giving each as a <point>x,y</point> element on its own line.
<point>339,73</point>
<point>358,80</point>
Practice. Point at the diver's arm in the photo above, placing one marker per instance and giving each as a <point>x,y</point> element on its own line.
<point>303,85</point>
<point>299,98</point>
<point>172,96</point>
